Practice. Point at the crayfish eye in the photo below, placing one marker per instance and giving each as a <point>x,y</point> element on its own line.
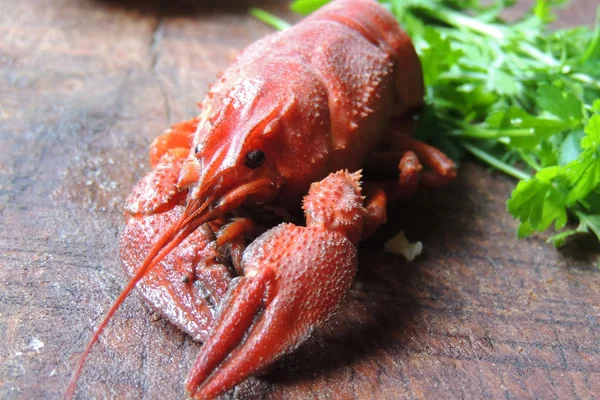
<point>197,149</point>
<point>254,159</point>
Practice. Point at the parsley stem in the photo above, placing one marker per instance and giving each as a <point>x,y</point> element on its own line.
<point>461,21</point>
<point>550,61</point>
<point>464,76</point>
<point>584,78</point>
<point>538,54</point>
<point>269,19</point>
<point>481,133</point>
<point>494,162</point>
<point>530,161</point>
<point>594,46</point>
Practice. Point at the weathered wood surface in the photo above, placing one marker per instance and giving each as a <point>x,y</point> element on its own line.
<point>86,84</point>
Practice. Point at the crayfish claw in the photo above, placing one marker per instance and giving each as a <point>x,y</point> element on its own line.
<point>285,294</point>
<point>295,278</point>
<point>236,317</point>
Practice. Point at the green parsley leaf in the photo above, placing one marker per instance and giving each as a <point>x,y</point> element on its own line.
<point>537,202</point>
<point>563,105</point>
<point>307,6</point>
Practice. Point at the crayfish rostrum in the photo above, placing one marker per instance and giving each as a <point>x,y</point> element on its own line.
<point>281,127</point>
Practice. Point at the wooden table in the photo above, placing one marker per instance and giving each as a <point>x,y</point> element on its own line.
<point>86,84</point>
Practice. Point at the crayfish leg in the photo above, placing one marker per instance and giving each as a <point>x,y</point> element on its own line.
<point>376,206</point>
<point>413,156</point>
<point>157,191</point>
<point>234,229</point>
<point>234,236</point>
<point>442,169</point>
<point>178,136</point>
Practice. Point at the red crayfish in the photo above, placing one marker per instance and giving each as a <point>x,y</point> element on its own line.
<point>286,121</point>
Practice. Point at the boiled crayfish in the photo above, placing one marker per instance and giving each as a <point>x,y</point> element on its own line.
<point>290,117</point>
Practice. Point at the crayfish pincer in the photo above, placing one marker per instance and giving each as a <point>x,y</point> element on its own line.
<point>284,123</point>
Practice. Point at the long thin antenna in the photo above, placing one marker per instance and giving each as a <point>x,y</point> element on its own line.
<point>165,244</point>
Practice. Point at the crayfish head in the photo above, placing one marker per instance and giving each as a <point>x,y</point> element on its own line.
<point>258,140</point>
<point>233,157</point>
<point>225,170</point>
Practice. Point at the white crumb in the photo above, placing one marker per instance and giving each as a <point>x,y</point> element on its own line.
<point>399,244</point>
<point>35,344</point>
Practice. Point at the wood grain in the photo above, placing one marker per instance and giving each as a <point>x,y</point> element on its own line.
<point>86,85</point>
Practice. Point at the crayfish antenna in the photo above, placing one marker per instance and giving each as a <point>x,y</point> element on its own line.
<point>295,278</point>
<point>164,245</point>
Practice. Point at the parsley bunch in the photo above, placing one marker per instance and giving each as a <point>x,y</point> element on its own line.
<point>519,96</point>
